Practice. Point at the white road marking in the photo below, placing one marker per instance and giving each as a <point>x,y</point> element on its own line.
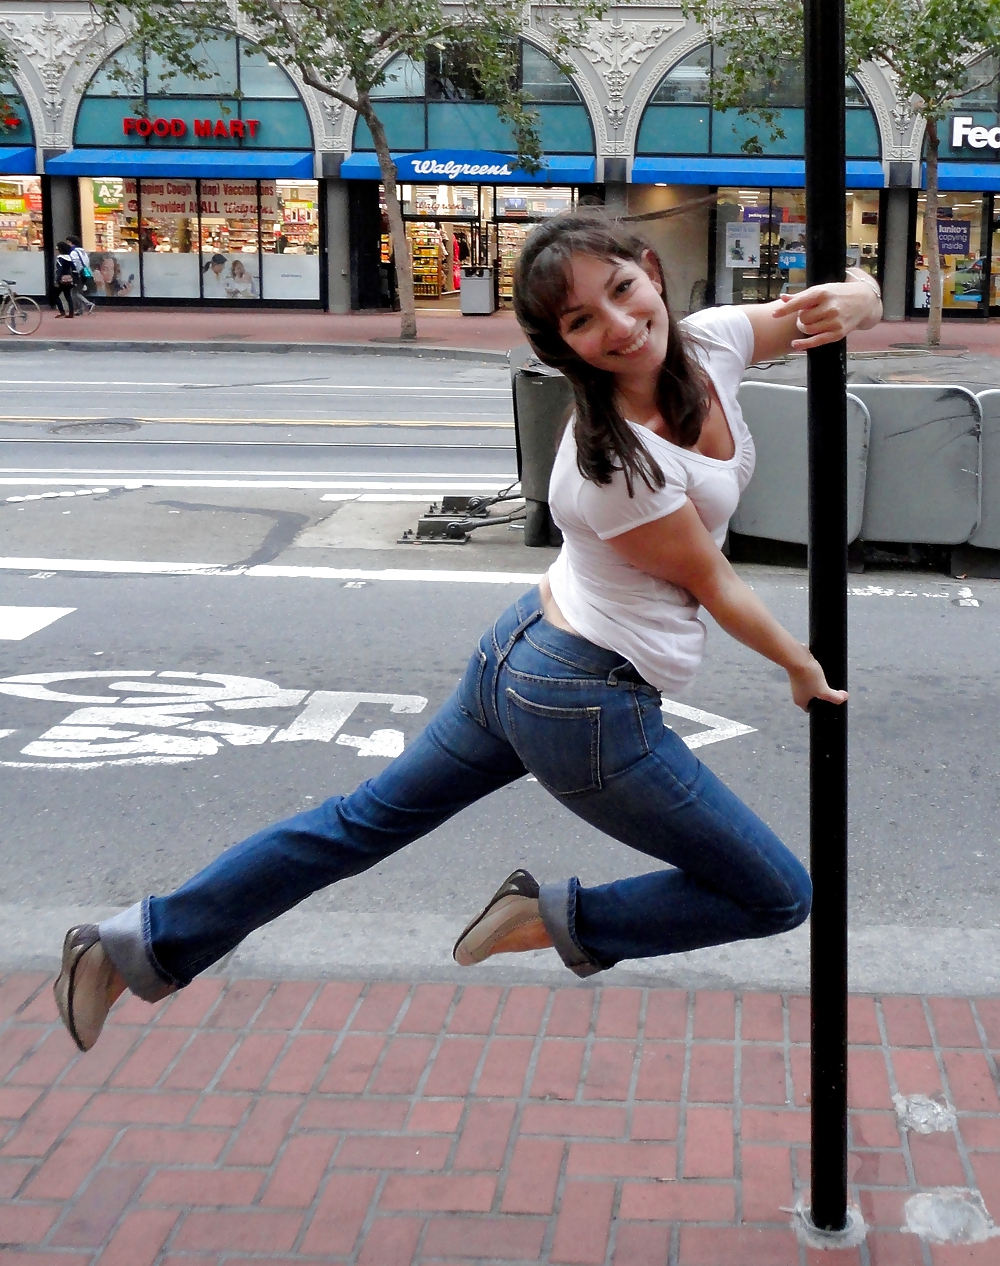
<point>91,737</point>
<point>43,496</point>
<point>328,710</point>
<point>407,389</point>
<point>139,471</point>
<point>17,623</point>
<point>217,420</point>
<point>110,729</point>
<point>379,743</point>
<point>110,567</point>
<point>158,481</point>
<point>720,728</point>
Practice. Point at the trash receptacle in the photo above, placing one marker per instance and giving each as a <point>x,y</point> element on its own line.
<point>543,399</point>
<point>477,297</point>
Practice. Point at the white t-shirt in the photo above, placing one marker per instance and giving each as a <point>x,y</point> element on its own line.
<point>648,621</point>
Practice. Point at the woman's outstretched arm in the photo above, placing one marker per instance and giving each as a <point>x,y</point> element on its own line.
<point>821,314</point>
<point>679,549</point>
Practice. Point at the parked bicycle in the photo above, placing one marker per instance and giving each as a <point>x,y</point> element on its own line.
<point>20,314</point>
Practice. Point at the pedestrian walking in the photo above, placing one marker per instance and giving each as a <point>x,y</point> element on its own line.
<point>84,277</point>
<point>566,684</point>
<point>65,280</point>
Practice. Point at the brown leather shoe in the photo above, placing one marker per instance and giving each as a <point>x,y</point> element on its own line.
<point>84,988</point>
<point>513,904</point>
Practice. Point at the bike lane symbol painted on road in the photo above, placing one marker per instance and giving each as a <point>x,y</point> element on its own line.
<point>172,717</point>
<point>159,718</point>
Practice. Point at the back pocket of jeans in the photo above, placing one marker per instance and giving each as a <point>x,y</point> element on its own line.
<point>560,746</point>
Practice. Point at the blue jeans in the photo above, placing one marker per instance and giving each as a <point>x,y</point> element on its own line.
<point>590,729</point>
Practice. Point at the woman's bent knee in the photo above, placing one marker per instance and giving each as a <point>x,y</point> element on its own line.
<point>789,914</point>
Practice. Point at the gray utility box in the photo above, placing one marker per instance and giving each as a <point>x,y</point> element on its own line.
<point>543,399</point>
<point>477,294</point>
<point>775,504</point>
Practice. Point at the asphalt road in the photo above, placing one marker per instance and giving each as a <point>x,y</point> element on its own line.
<point>189,557</point>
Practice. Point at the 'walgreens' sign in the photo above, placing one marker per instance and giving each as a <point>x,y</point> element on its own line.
<point>224,129</point>
<point>966,133</point>
<point>454,165</point>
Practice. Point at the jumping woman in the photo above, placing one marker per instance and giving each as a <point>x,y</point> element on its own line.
<point>566,684</point>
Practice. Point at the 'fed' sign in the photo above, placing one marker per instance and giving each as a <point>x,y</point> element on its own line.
<point>964,133</point>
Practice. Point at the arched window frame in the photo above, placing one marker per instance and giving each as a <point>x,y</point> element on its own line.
<point>23,135</point>
<point>431,95</point>
<point>230,95</point>
<point>852,88</point>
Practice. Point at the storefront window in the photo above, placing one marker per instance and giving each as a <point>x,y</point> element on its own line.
<point>443,229</point>
<point>452,226</point>
<point>168,239</point>
<point>525,203</point>
<point>961,247</point>
<point>289,230</point>
<point>761,241</point>
<point>22,260</point>
<point>995,274</point>
<point>232,240</point>
<point>109,217</point>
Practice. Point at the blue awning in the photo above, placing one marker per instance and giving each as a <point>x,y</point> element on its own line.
<point>781,173</point>
<point>17,160</point>
<point>558,169</point>
<point>974,177</point>
<point>258,164</point>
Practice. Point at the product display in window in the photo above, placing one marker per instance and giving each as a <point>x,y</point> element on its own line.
<point>203,239</point>
<point>425,249</point>
<point>760,249</point>
<point>961,248</point>
<point>510,239</point>
<point>109,221</point>
<point>22,238</point>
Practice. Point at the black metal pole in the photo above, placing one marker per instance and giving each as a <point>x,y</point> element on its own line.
<point>827,403</point>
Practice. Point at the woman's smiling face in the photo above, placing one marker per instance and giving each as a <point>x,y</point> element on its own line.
<point>614,317</point>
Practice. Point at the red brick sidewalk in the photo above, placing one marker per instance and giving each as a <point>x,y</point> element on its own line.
<point>447,328</point>
<point>388,1124</point>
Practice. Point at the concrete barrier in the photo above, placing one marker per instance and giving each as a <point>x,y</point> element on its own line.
<point>775,505</point>
<point>923,463</point>
<point>987,533</point>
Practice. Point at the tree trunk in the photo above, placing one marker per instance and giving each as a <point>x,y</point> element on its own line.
<point>400,245</point>
<point>930,242</point>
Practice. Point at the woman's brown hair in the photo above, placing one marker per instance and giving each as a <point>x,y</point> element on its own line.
<point>605,442</point>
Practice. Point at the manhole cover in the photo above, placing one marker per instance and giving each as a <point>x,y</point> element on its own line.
<point>106,426</point>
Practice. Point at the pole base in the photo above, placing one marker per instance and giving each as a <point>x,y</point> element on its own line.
<point>813,1236</point>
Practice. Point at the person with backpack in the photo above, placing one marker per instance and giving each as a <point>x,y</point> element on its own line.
<point>65,279</point>
<point>85,284</point>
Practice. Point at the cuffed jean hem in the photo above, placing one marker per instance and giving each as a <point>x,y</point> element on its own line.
<point>126,941</point>
<point>557,906</point>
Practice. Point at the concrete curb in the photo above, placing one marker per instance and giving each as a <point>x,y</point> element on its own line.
<point>429,351</point>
